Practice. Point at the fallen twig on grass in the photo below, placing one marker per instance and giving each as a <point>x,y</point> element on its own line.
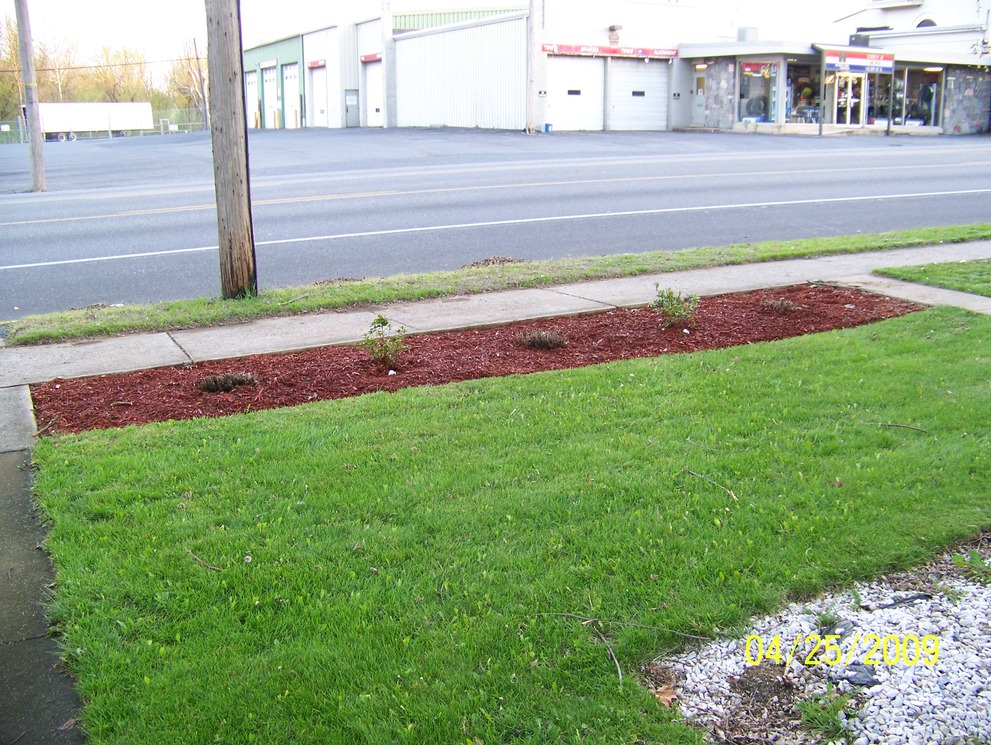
<point>208,566</point>
<point>598,623</point>
<point>293,300</point>
<point>706,478</point>
<point>900,426</point>
<point>612,654</point>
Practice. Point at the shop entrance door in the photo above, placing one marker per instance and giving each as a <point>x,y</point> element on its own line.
<point>851,93</point>
<point>698,101</point>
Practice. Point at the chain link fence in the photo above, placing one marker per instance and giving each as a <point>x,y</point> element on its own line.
<point>169,122</point>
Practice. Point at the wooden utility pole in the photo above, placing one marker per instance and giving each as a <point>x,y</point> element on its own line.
<point>32,114</point>
<point>535,37</point>
<point>228,129</point>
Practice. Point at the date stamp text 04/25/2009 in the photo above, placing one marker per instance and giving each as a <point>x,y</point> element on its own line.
<point>869,649</point>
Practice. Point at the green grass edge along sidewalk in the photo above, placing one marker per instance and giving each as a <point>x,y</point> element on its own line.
<point>339,294</point>
<point>477,562</point>
<point>964,276</point>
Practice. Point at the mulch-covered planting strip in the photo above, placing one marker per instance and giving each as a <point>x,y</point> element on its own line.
<point>337,372</point>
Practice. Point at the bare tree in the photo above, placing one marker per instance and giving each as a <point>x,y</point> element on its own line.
<point>11,93</point>
<point>120,75</point>
<point>58,69</point>
<point>187,83</point>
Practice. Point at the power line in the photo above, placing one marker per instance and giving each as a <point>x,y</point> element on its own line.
<point>110,64</point>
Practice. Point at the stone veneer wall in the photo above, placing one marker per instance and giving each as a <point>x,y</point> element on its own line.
<point>720,94</point>
<point>967,100</point>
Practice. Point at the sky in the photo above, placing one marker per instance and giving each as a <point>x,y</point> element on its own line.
<point>160,30</point>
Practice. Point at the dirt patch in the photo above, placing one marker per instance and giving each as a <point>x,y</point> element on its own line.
<point>493,261</point>
<point>433,359</point>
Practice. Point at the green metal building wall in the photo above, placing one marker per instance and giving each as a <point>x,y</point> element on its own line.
<point>280,53</point>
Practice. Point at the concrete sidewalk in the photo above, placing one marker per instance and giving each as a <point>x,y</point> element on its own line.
<point>36,700</point>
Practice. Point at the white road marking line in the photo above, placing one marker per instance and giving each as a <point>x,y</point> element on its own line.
<point>503,223</point>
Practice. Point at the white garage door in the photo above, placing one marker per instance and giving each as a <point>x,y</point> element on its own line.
<point>576,93</point>
<point>638,94</point>
<point>251,98</point>
<point>374,98</point>
<point>270,98</point>
<point>290,96</point>
<point>318,97</point>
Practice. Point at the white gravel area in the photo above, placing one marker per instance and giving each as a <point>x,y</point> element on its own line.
<point>913,650</point>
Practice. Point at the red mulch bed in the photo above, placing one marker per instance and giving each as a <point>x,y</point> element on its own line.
<point>337,372</point>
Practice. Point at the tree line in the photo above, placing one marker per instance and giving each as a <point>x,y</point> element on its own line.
<point>112,75</point>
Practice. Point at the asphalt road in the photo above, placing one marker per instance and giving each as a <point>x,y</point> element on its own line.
<point>133,220</point>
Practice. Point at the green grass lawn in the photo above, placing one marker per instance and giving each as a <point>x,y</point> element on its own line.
<point>965,276</point>
<point>337,294</point>
<point>420,566</point>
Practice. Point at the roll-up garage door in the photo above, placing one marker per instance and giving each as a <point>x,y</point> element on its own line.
<point>251,98</point>
<point>270,97</point>
<point>374,95</point>
<point>638,94</point>
<point>576,93</point>
<point>290,96</point>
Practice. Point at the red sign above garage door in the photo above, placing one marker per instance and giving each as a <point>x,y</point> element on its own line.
<point>590,50</point>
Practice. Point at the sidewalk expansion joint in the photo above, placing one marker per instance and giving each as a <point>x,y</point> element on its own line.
<point>189,358</point>
<point>605,305</point>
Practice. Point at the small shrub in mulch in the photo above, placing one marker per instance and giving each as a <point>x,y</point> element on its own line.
<point>225,383</point>
<point>384,343</point>
<point>542,339</point>
<point>673,307</point>
<point>780,305</point>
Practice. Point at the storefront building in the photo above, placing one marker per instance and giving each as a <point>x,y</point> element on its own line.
<point>825,89</point>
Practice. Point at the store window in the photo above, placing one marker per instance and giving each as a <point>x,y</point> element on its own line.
<point>758,92</point>
<point>916,100</point>
<point>879,98</point>
<point>802,99</point>
<point>923,92</point>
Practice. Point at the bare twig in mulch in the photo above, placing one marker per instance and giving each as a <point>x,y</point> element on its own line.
<point>49,425</point>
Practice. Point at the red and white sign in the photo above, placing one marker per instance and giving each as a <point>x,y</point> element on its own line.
<point>858,60</point>
<point>591,50</point>
<point>316,63</point>
<point>377,57</point>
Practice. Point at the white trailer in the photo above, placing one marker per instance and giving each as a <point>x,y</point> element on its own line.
<point>63,121</point>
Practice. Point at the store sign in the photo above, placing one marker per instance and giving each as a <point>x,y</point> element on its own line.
<point>759,69</point>
<point>858,60</point>
<point>590,50</point>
